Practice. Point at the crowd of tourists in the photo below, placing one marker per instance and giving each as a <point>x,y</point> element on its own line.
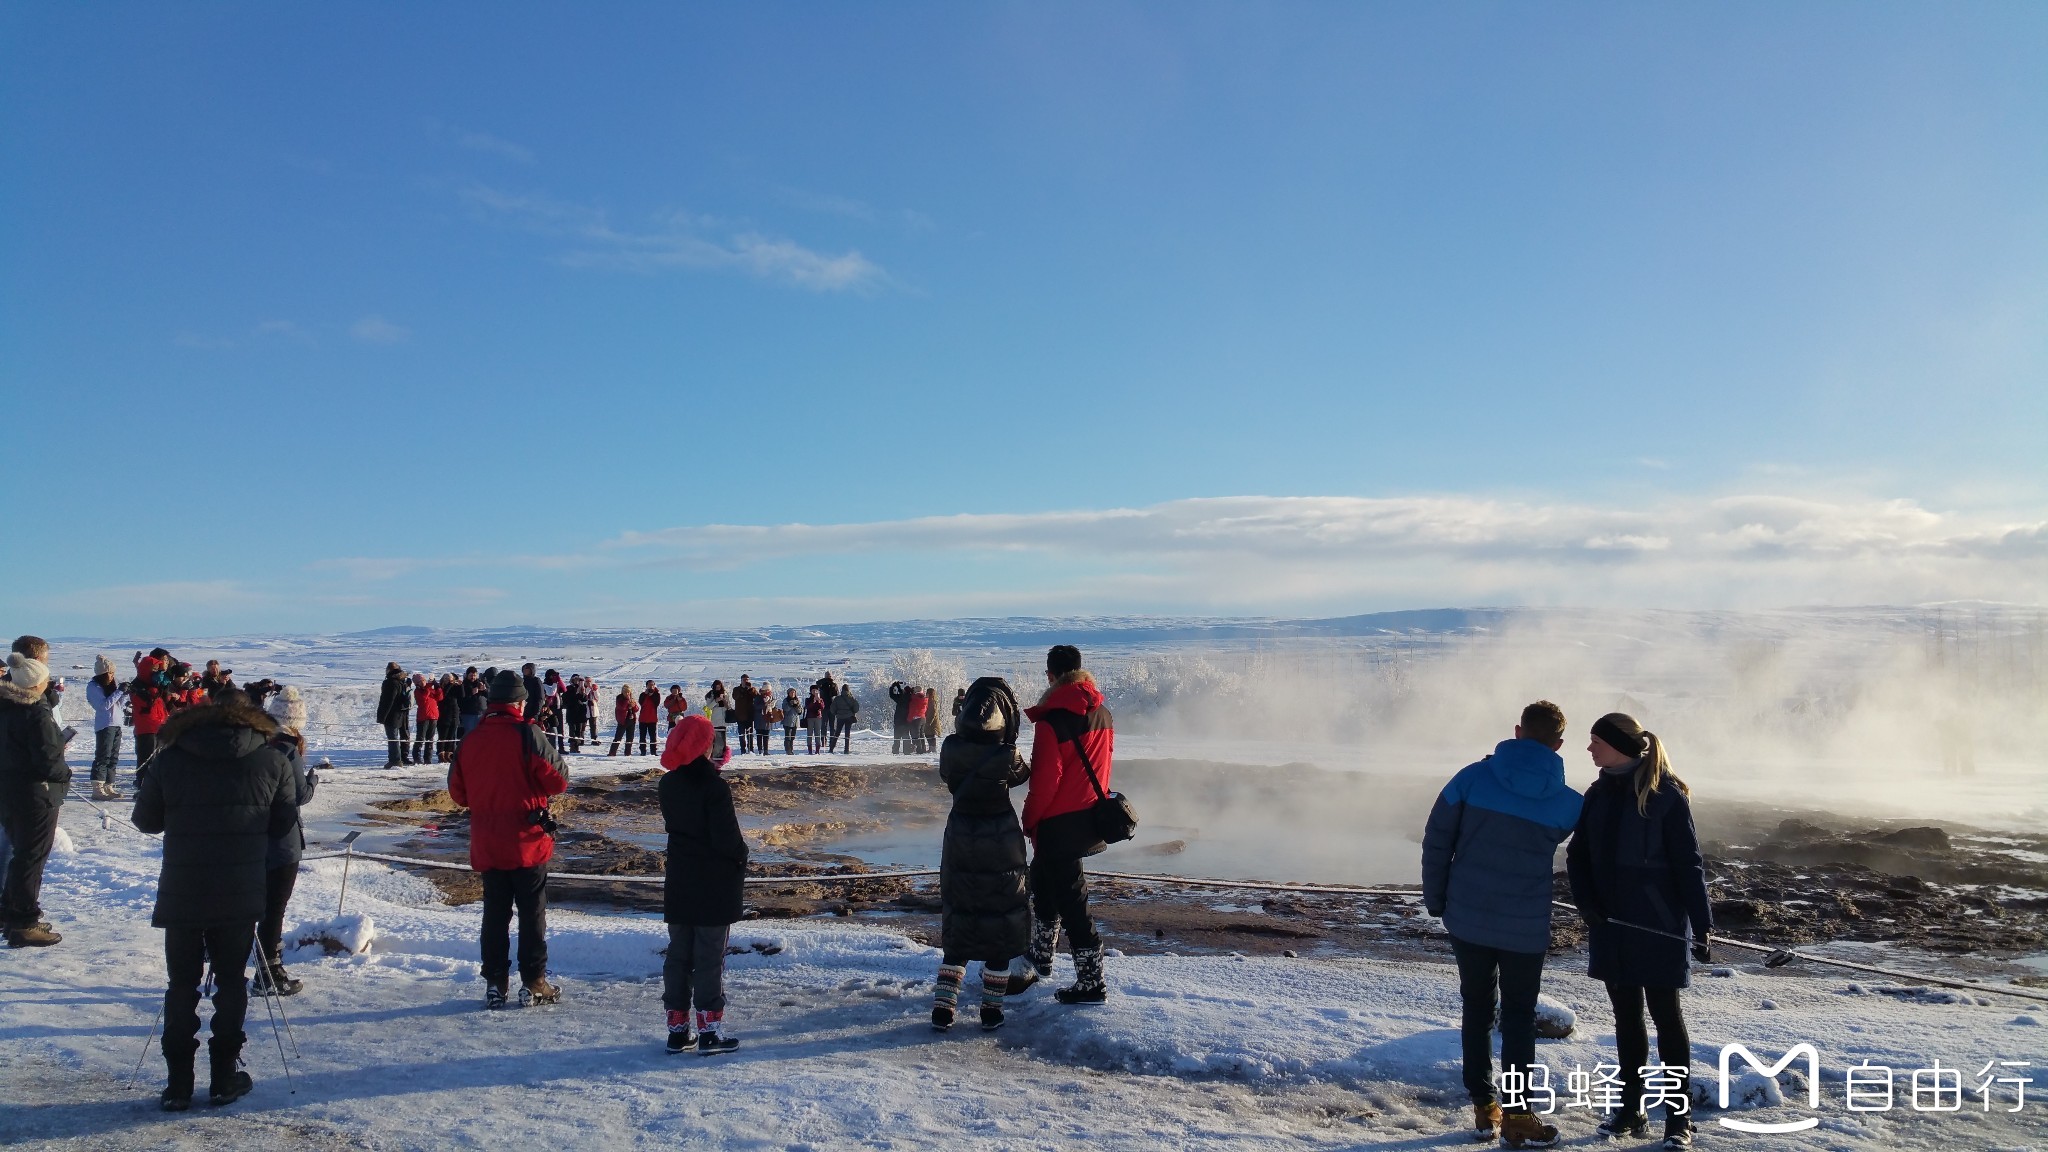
<point>223,775</point>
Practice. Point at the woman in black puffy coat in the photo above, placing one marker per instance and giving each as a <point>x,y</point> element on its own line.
<point>986,909</point>
<point>1640,882</point>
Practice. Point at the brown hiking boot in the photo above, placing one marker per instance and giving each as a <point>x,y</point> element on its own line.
<point>1485,1121</point>
<point>1524,1130</point>
<point>539,991</point>
<point>32,936</point>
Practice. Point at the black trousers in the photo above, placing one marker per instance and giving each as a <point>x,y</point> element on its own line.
<point>397,735</point>
<point>648,740</point>
<point>1632,1039</point>
<point>423,744</point>
<point>277,892</point>
<point>525,889</point>
<point>1059,891</point>
<point>694,968</point>
<point>1496,984</point>
<point>623,732</point>
<point>145,747</point>
<point>577,722</point>
<point>450,722</point>
<point>31,829</point>
<point>842,729</point>
<point>187,949</point>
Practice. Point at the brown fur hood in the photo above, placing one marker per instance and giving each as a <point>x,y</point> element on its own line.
<point>234,714</point>
<point>1066,681</point>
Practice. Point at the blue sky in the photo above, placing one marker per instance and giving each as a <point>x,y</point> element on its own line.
<point>335,316</point>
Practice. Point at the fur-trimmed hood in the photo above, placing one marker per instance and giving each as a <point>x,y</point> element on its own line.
<point>13,693</point>
<point>220,731</point>
<point>1074,692</point>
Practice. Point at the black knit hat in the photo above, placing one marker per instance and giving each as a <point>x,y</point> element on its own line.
<point>507,688</point>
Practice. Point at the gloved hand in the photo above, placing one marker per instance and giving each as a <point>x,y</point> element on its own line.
<point>1436,912</point>
<point>1702,953</point>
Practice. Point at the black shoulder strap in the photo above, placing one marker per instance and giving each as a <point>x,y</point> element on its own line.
<point>1073,736</point>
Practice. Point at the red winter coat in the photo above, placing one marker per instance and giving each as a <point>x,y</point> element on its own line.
<point>503,771</point>
<point>650,706</point>
<point>147,698</point>
<point>919,705</point>
<point>623,709</point>
<point>428,697</point>
<point>1071,711</point>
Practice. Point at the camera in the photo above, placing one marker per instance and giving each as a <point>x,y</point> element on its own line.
<point>544,820</point>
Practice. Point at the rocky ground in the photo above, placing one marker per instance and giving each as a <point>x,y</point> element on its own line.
<point>1779,878</point>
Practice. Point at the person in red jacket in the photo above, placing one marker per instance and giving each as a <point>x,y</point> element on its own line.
<point>624,709</point>
<point>148,696</point>
<point>650,717</point>
<point>426,696</point>
<point>504,773</point>
<point>1073,738</point>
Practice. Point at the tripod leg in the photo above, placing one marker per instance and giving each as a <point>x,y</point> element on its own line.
<point>276,1034</point>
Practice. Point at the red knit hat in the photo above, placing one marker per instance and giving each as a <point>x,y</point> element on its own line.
<point>689,740</point>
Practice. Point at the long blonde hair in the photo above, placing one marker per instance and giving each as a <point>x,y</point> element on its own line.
<point>1653,767</point>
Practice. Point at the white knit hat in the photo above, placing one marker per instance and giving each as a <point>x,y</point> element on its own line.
<point>101,666</point>
<point>27,672</point>
<point>287,709</point>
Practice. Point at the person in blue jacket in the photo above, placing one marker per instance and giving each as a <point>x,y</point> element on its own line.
<point>1486,871</point>
<point>1641,884</point>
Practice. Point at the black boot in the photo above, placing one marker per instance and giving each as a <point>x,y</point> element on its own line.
<point>177,1093</point>
<point>230,1083</point>
<point>274,980</point>
<point>1087,987</point>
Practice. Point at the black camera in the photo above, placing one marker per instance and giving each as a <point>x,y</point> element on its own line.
<point>544,820</point>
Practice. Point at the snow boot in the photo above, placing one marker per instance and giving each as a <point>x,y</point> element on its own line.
<point>1087,987</point>
<point>710,1038</point>
<point>1621,1125</point>
<point>539,991</point>
<point>494,995</point>
<point>679,1038</point>
<point>1524,1130</point>
<point>1677,1131</point>
<point>32,936</point>
<point>1043,943</point>
<point>993,987</point>
<point>946,994</point>
<point>1486,1122</point>
<point>273,980</point>
<point>177,1093</point>
<point>230,1083</point>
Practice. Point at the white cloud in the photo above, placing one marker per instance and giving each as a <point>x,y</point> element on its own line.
<point>679,240</point>
<point>492,145</point>
<point>378,330</point>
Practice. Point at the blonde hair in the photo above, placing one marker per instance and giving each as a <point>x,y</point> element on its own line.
<point>1653,767</point>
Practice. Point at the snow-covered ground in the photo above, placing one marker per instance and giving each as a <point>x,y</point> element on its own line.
<point>395,1051</point>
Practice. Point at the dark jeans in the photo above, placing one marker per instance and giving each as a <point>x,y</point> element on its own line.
<point>624,732</point>
<point>747,737</point>
<point>842,730</point>
<point>397,734</point>
<point>576,725</point>
<point>106,753</point>
<point>1632,1039</point>
<point>789,741</point>
<point>527,890</point>
<point>31,829</point>
<point>187,948</point>
<point>469,722</point>
<point>1496,983</point>
<point>449,736</point>
<point>761,741</point>
<point>1059,891</point>
<point>694,968</point>
<point>649,742</point>
<point>277,892</point>
<point>145,747</point>
<point>423,747</point>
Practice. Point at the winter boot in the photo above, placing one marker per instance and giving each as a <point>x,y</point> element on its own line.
<point>273,980</point>
<point>1677,1131</point>
<point>679,1038</point>
<point>32,936</point>
<point>1524,1130</point>
<point>230,1083</point>
<point>710,1039</point>
<point>494,995</point>
<point>1486,1122</point>
<point>1087,987</point>
<point>1624,1124</point>
<point>177,1093</point>
<point>1045,938</point>
<point>539,991</point>
<point>993,988</point>
<point>946,994</point>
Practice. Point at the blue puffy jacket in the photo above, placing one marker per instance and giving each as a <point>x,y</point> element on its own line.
<point>1487,851</point>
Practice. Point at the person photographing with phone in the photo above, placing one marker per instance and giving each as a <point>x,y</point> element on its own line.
<point>33,778</point>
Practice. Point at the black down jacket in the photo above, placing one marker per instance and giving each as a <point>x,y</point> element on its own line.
<point>707,856</point>
<point>1642,867</point>
<point>33,773</point>
<point>220,793</point>
<point>986,909</point>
